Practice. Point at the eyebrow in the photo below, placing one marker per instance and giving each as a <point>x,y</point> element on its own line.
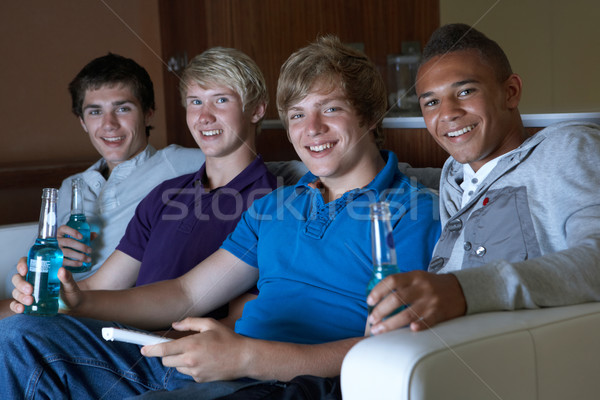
<point>114,103</point>
<point>321,103</point>
<point>454,85</point>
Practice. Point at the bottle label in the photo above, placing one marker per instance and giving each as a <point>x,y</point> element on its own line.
<point>39,265</point>
<point>51,218</point>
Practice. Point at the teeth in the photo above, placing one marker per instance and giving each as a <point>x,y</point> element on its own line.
<point>113,139</point>
<point>213,132</point>
<point>321,147</point>
<point>461,131</point>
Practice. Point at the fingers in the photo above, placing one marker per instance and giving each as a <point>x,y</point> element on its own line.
<point>196,324</point>
<point>75,253</point>
<point>17,307</point>
<point>160,349</point>
<point>22,266</point>
<point>432,299</point>
<point>65,230</point>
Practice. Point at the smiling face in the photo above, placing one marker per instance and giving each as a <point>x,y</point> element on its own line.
<point>471,114</point>
<point>115,122</point>
<point>217,121</point>
<point>327,135</point>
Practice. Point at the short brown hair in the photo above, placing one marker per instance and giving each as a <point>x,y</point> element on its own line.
<point>327,58</point>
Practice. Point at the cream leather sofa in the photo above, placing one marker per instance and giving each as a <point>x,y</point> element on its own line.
<point>544,354</point>
<point>15,241</point>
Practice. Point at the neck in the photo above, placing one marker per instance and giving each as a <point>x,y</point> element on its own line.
<point>363,172</point>
<point>222,170</point>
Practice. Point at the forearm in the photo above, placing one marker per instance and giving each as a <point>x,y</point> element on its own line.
<point>284,361</point>
<point>567,277</point>
<point>148,307</point>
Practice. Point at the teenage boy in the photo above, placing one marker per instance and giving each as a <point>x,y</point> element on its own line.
<point>185,219</point>
<point>520,213</point>
<point>113,97</point>
<point>308,246</point>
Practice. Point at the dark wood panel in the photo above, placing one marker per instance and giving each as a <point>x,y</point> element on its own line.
<point>21,189</point>
<point>270,30</point>
<point>416,147</point>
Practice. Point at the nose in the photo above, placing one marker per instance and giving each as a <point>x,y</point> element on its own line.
<point>450,110</point>
<point>206,116</point>
<point>315,125</point>
<point>110,121</point>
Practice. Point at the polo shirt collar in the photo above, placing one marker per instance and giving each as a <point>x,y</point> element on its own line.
<point>382,181</point>
<point>248,176</point>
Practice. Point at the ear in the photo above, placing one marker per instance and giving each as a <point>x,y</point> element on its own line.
<point>513,89</point>
<point>259,112</point>
<point>148,116</point>
<point>83,125</point>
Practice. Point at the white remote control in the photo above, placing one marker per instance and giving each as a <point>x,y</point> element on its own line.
<point>129,336</point>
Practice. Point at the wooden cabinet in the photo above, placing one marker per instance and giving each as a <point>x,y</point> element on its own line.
<point>270,30</point>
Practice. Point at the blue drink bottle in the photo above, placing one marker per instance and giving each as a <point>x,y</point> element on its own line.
<point>78,221</point>
<point>44,260</point>
<point>383,249</point>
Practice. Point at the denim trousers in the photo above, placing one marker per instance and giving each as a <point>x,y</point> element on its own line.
<point>65,357</point>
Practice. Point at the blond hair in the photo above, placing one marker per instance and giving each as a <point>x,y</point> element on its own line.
<point>228,67</point>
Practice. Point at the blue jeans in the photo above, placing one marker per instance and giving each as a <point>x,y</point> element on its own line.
<point>62,356</point>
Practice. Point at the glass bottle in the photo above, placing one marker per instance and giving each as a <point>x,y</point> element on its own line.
<point>78,221</point>
<point>382,246</point>
<point>44,260</point>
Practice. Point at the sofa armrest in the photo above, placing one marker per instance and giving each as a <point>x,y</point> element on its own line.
<point>15,241</point>
<point>550,353</point>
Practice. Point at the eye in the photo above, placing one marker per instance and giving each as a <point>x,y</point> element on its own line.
<point>124,109</point>
<point>296,116</point>
<point>466,92</point>
<point>332,109</point>
<point>93,112</point>
<point>431,103</point>
<point>222,100</point>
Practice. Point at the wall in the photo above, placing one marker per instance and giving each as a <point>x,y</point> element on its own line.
<point>552,44</point>
<point>44,44</point>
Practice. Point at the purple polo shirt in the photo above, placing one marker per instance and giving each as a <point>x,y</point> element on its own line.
<point>178,224</point>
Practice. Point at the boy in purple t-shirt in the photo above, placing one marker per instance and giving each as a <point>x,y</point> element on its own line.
<point>184,220</point>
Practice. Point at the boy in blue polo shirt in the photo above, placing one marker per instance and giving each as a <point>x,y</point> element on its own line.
<point>307,246</point>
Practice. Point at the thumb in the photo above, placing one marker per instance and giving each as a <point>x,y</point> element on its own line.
<point>68,282</point>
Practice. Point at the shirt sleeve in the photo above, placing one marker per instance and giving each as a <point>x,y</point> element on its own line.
<point>136,237</point>
<point>243,241</point>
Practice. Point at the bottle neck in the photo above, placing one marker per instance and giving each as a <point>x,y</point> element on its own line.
<point>382,239</point>
<point>47,226</point>
<point>76,201</point>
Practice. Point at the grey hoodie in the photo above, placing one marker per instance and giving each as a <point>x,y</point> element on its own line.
<point>530,235</point>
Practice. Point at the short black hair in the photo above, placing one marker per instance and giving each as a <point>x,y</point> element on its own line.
<point>458,37</point>
<point>112,69</point>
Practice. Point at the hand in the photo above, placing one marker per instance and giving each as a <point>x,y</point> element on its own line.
<point>22,287</point>
<point>22,293</point>
<point>431,298</point>
<point>75,253</point>
<point>214,353</point>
